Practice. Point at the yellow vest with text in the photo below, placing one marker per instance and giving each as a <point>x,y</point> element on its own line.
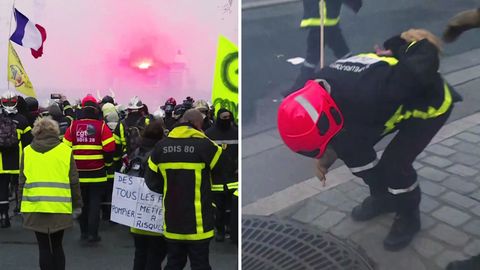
<point>47,186</point>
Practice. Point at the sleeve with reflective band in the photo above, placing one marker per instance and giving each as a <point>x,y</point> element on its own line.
<point>216,157</point>
<point>217,187</point>
<point>47,186</point>
<point>108,142</point>
<point>232,185</point>
<point>432,112</point>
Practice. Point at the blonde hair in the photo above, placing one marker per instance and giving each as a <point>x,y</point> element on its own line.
<point>419,34</point>
<point>45,125</point>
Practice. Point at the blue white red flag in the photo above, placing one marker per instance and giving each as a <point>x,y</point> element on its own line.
<point>29,34</point>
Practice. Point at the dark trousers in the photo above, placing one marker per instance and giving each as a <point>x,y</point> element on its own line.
<point>51,252</point>
<point>90,218</point>
<point>149,252</point>
<point>333,39</point>
<point>4,192</point>
<point>234,220</point>
<point>107,200</point>
<point>196,251</point>
<point>223,201</point>
<point>395,168</point>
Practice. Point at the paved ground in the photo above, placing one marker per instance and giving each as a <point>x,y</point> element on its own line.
<point>19,251</point>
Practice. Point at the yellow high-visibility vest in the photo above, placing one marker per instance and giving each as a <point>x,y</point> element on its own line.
<point>47,188</point>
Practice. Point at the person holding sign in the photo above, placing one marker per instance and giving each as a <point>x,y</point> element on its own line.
<point>180,168</point>
<point>150,247</point>
<point>49,190</point>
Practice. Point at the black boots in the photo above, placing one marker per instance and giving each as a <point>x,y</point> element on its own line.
<point>306,73</point>
<point>373,206</point>
<point>403,229</point>
<point>4,221</point>
<point>471,264</point>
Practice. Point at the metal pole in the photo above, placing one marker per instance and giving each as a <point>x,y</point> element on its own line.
<point>322,33</point>
<point>9,34</point>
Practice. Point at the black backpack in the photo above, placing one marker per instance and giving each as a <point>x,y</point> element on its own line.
<point>138,163</point>
<point>8,132</point>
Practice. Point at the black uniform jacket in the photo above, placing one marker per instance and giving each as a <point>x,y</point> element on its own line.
<point>180,168</point>
<point>375,94</point>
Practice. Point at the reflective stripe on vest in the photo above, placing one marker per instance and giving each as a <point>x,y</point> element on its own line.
<point>235,193</point>
<point>197,168</point>
<point>392,61</point>
<point>316,21</point>
<point>431,112</point>
<point>47,186</point>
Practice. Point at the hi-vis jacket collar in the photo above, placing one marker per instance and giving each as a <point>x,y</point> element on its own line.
<point>186,131</point>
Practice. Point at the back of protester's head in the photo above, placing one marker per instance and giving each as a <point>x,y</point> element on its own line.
<point>110,115</point>
<point>90,107</point>
<point>107,99</point>
<point>179,111</point>
<point>201,105</point>
<point>45,127</point>
<point>32,104</point>
<point>194,117</point>
<point>55,111</point>
<point>154,130</point>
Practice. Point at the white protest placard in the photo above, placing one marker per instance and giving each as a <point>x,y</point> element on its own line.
<point>134,205</point>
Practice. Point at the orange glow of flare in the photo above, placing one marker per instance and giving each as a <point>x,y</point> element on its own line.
<point>144,65</point>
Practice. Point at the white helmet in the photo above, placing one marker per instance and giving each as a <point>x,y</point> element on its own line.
<point>135,103</point>
<point>9,101</point>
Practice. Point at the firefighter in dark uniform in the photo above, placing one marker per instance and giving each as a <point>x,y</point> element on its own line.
<point>10,154</point>
<point>372,95</point>
<point>127,129</point>
<point>333,35</point>
<point>180,168</point>
<point>225,134</point>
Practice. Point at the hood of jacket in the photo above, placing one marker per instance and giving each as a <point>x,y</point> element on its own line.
<point>44,142</point>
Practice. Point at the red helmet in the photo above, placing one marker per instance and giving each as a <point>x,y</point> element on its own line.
<point>171,101</point>
<point>88,98</point>
<point>308,119</point>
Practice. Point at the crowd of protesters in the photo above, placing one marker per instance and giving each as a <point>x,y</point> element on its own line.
<point>58,164</point>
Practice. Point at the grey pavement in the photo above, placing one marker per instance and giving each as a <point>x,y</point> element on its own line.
<point>19,250</point>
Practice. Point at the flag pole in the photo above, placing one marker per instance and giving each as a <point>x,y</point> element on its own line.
<point>322,32</point>
<point>9,34</point>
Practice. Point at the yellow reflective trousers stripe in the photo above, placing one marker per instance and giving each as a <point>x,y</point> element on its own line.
<point>316,21</point>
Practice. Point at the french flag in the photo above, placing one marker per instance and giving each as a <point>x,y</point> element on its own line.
<point>28,34</point>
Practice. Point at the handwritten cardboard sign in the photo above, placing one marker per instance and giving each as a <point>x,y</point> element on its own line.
<point>134,205</point>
